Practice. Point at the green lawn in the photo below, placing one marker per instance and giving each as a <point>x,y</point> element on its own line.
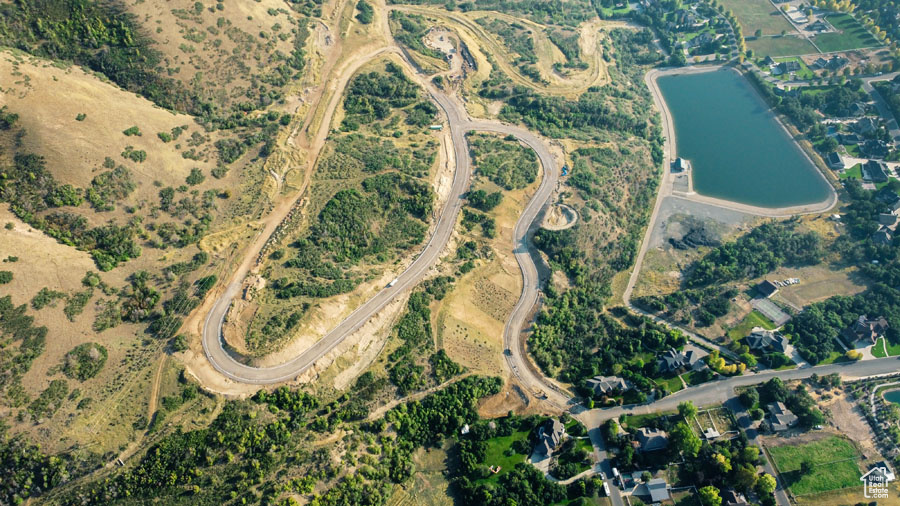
<point>758,15</point>
<point>854,172</point>
<point>693,378</point>
<point>836,357</point>
<point>851,34</point>
<point>878,349</point>
<point>781,46</point>
<point>673,384</point>
<point>834,462</point>
<point>754,319</point>
<point>637,421</point>
<point>495,453</point>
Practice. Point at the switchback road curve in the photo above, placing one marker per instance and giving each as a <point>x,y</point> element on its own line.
<point>212,338</point>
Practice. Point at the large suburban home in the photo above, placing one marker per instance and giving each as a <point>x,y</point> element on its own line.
<point>766,340</point>
<point>834,160</point>
<point>674,360</point>
<point>866,331</point>
<point>874,148</point>
<point>652,440</point>
<point>550,436</point>
<point>865,126</point>
<point>780,418</point>
<point>602,385</point>
<point>786,68</point>
<point>875,171</point>
<point>888,220</point>
<point>885,468</point>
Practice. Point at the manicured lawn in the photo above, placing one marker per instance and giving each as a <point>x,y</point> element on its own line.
<point>495,453</point>
<point>758,15</point>
<point>834,462</point>
<point>878,349</point>
<point>693,378</point>
<point>854,172</point>
<point>754,319</point>
<point>781,46</point>
<point>672,384</point>
<point>637,421</point>
<point>836,357</point>
<point>851,34</point>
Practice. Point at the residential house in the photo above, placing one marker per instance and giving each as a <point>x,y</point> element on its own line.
<point>602,385</point>
<point>780,418</point>
<point>819,64</point>
<point>658,490</point>
<point>768,62</point>
<point>874,149</point>
<point>888,220</point>
<point>858,109</point>
<point>817,26</point>
<point>766,340</point>
<point>834,160</point>
<point>786,67</point>
<point>674,361</point>
<point>865,126</point>
<point>550,436</point>
<point>865,330</point>
<point>700,40</point>
<point>848,139</point>
<point>731,497</point>
<point>767,288</point>
<point>837,63</point>
<point>875,171</point>
<point>651,440</point>
<point>883,236</point>
<point>895,206</point>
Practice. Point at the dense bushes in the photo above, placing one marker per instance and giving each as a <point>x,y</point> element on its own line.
<point>761,251</point>
<point>503,160</point>
<point>84,361</point>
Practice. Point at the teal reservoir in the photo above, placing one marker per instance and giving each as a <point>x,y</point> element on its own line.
<point>892,396</point>
<point>737,149</point>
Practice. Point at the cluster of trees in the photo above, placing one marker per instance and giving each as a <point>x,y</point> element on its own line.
<point>797,400</point>
<point>409,30</point>
<point>374,96</point>
<point>84,361</point>
<point>26,471</point>
<point>23,342</point>
<point>553,12</point>
<point>764,249</point>
<point>503,160</point>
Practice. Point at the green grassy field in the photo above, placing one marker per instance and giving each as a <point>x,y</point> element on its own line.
<point>851,35</point>
<point>495,455</point>
<point>754,319</point>
<point>834,462</point>
<point>781,46</point>
<point>836,357</point>
<point>758,15</point>
<point>673,384</point>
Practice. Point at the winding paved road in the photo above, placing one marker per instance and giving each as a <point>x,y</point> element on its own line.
<point>223,361</point>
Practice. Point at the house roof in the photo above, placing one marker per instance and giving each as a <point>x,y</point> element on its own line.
<point>762,339</point>
<point>877,171</point>
<point>652,439</point>
<point>672,360</point>
<point>605,384</point>
<point>883,236</point>
<point>767,288</point>
<point>780,417</point>
<point>834,158</point>
<point>659,489</point>
<point>549,435</point>
<point>731,497</point>
<point>868,330</point>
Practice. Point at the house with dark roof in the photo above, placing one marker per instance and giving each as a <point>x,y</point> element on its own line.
<point>680,165</point>
<point>766,340</point>
<point>673,360</point>
<point>888,220</point>
<point>768,61</point>
<point>780,418</point>
<point>834,160</point>
<point>865,126</point>
<point>865,330</point>
<point>767,288</point>
<point>848,139</point>
<point>731,497</point>
<point>786,67</point>
<point>858,109</point>
<point>819,64</point>
<point>874,148</point>
<point>652,440</point>
<point>895,207</point>
<point>886,468</point>
<point>875,171</point>
<point>817,26</point>
<point>550,436</point>
<point>883,236</point>
<point>608,384</point>
<point>837,63</point>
